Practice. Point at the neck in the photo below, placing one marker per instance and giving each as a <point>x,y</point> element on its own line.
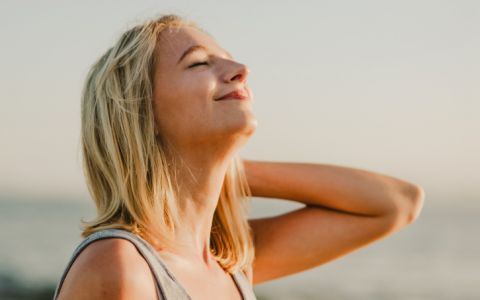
<point>199,177</point>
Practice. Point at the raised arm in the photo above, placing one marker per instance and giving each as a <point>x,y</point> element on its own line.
<point>346,208</point>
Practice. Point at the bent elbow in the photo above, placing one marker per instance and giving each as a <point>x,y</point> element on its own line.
<point>407,205</point>
<point>417,200</point>
<point>410,203</point>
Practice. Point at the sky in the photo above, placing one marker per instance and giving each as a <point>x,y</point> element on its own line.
<point>387,86</point>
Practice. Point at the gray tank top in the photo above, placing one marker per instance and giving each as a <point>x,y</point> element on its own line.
<point>166,284</point>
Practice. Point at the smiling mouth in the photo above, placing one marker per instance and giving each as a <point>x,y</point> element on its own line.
<point>235,95</point>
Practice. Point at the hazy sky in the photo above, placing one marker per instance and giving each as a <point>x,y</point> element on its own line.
<point>388,86</point>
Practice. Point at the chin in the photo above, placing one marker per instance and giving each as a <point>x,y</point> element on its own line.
<point>249,123</point>
<point>240,129</point>
<point>252,126</point>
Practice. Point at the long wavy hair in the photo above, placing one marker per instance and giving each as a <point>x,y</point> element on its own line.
<point>126,164</point>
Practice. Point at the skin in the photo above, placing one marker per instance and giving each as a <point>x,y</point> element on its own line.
<point>345,208</point>
<point>204,133</point>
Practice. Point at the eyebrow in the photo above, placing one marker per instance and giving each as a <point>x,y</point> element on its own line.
<point>197,48</point>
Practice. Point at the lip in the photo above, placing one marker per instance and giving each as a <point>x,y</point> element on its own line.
<point>237,94</point>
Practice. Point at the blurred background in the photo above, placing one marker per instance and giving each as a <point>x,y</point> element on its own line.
<point>387,86</point>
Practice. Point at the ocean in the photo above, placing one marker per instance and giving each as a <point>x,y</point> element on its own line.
<point>436,257</point>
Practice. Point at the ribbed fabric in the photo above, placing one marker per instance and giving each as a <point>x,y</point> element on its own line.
<point>166,284</point>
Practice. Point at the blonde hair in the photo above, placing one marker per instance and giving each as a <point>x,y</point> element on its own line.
<point>127,170</point>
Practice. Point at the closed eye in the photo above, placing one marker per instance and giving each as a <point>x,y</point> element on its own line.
<point>199,63</point>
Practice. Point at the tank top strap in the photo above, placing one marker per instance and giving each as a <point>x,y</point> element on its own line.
<point>165,284</point>
<point>244,285</point>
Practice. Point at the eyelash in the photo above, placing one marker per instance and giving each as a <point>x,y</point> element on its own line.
<point>199,63</point>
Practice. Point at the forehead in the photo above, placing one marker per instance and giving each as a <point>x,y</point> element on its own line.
<point>174,41</point>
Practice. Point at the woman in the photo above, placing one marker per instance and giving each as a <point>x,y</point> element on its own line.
<point>164,113</point>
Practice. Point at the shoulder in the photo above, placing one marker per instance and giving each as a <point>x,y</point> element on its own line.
<point>109,269</point>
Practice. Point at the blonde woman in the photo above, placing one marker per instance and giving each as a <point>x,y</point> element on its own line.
<point>164,113</point>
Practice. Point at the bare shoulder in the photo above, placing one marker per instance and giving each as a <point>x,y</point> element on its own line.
<point>109,269</point>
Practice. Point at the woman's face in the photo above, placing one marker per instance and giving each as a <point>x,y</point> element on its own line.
<point>186,84</point>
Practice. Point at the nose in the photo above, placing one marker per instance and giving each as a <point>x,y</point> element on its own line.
<point>238,72</point>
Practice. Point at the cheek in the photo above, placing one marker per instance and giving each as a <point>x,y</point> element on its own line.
<point>194,97</point>
<point>185,105</point>
<point>198,86</point>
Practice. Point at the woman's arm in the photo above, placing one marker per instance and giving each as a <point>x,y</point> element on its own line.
<point>344,189</point>
<point>346,209</point>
